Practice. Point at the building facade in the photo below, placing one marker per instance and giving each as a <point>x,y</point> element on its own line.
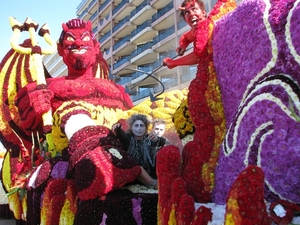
<point>135,36</point>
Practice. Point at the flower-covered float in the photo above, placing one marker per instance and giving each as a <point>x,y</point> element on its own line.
<point>63,165</point>
<point>242,109</point>
<point>244,104</point>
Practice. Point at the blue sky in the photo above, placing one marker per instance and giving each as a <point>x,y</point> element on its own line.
<point>52,12</point>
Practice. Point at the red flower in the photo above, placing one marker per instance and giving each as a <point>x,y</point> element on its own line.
<point>247,191</point>
<point>186,210</point>
<point>202,216</point>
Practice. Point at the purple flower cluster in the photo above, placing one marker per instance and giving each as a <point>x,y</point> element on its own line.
<point>256,51</point>
<point>241,50</point>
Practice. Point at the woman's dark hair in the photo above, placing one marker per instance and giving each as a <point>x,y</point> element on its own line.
<point>136,117</point>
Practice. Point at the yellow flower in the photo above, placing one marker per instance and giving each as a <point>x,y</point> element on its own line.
<point>182,120</point>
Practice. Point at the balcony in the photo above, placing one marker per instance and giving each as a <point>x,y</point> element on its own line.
<point>84,15</point>
<point>95,30</point>
<point>143,54</point>
<point>105,24</point>
<point>104,8</point>
<point>122,10</point>
<point>93,17</point>
<point>161,70</point>
<point>188,75</point>
<point>81,7</point>
<point>142,13</point>
<point>143,33</point>
<point>93,6</point>
<point>165,40</point>
<point>105,40</point>
<point>158,4</point>
<point>122,64</point>
<point>125,80</point>
<point>123,28</point>
<point>123,47</point>
<point>164,17</point>
<point>141,95</point>
<point>182,27</point>
<point>107,53</point>
<point>154,89</point>
<point>143,81</point>
<point>142,70</point>
<point>135,2</point>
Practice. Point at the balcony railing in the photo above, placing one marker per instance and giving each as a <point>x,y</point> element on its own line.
<point>121,42</point>
<point>158,88</point>
<point>141,48</point>
<point>102,20</point>
<point>170,83</point>
<point>122,61</point>
<point>141,95</point>
<point>141,27</point>
<point>181,24</point>
<point>95,30</point>
<point>162,11</point>
<point>105,36</point>
<point>158,62</point>
<point>145,69</point>
<point>82,3</point>
<point>92,3</point>
<point>121,23</point>
<point>164,34</point>
<point>125,80</point>
<point>185,77</point>
<point>82,14</point>
<point>93,16</point>
<point>103,5</point>
<point>115,10</point>
<point>140,7</point>
<point>106,51</point>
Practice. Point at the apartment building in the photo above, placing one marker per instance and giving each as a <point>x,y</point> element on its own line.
<point>135,36</point>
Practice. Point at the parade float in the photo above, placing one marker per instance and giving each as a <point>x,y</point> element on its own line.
<point>38,173</point>
<point>239,121</point>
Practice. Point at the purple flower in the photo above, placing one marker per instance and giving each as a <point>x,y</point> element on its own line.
<point>104,217</point>
<point>137,210</point>
<point>59,170</point>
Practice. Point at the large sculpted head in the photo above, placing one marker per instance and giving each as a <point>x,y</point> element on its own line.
<point>77,46</point>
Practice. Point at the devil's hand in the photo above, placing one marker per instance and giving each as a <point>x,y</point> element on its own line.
<point>32,104</point>
<point>169,63</point>
<point>180,51</point>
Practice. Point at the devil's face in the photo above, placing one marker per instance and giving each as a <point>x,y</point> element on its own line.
<point>193,14</point>
<point>78,49</point>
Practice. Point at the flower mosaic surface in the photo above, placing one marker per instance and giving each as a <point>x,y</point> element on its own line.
<point>240,109</point>
<point>259,80</point>
<point>244,104</point>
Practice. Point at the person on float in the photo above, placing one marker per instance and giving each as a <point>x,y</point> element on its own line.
<point>193,12</point>
<point>141,145</point>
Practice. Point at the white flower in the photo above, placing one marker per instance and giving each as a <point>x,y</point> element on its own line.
<point>187,139</point>
<point>115,153</point>
<point>279,211</point>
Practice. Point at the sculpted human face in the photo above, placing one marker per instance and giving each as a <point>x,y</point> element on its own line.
<point>159,129</point>
<point>193,14</point>
<point>138,128</point>
<point>78,50</point>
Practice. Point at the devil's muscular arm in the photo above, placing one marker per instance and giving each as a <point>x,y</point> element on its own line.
<point>32,102</point>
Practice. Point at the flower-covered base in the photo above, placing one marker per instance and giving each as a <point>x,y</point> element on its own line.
<point>118,207</point>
